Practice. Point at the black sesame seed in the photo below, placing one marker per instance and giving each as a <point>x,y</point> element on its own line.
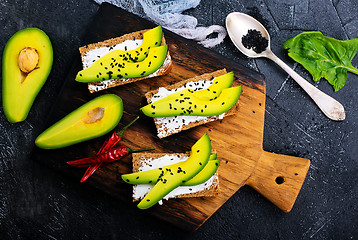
<point>137,178</point>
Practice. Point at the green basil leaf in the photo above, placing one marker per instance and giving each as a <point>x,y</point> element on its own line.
<point>323,57</point>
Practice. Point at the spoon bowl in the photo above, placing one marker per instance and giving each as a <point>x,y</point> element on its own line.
<point>238,24</point>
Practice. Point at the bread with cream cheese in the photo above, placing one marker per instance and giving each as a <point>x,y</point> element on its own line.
<point>165,129</point>
<point>97,86</point>
<point>208,189</point>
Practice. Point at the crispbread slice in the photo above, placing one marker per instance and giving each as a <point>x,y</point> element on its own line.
<point>165,131</point>
<point>144,158</point>
<point>98,86</point>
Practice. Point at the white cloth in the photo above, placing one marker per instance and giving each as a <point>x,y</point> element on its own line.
<point>168,13</point>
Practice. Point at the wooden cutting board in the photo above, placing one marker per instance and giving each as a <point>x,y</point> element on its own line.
<point>237,139</point>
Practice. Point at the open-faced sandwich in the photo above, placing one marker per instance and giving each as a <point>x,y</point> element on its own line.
<point>159,176</point>
<point>129,58</point>
<point>192,102</point>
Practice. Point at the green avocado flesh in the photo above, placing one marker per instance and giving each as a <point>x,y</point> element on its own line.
<point>91,120</point>
<point>199,157</point>
<point>187,105</point>
<point>116,69</point>
<point>20,89</point>
<point>219,83</point>
<point>210,168</point>
<point>154,175</point>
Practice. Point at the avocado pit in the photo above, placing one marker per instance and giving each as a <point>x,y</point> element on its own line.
<point>94,115</point>
<point>28,59</point>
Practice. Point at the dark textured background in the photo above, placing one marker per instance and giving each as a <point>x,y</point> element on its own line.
<point>37,202</point>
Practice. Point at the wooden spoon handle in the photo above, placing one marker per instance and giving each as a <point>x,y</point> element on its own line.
<point>279,178</point>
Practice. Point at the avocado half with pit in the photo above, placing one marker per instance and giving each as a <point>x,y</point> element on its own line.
<point>27,62</point>
<point>91,120</point>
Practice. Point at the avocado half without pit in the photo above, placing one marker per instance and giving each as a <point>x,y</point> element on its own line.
<point>27,62</point>
<point>93,119</point>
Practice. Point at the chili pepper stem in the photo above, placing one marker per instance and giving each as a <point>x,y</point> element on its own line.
<point>120,133</point>
<point>139,150</point>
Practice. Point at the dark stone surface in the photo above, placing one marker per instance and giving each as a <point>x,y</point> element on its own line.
<point>39,203</point>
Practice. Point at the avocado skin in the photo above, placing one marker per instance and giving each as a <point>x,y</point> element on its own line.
<point>71,129</point>
<point>18,97</point>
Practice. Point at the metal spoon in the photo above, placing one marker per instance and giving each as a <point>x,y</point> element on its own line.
<point>238,24</point>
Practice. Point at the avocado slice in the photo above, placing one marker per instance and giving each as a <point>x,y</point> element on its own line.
<point>199,157</point>
<point>118,68</point>
<point>208,171</point>
<point>154,175</point>
<point>91,120</point>
<point>187,105</point>
<point>219,83</point>
<point>27,62</point>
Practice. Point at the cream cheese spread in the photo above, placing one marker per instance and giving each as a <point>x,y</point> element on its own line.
<point>96,53</point>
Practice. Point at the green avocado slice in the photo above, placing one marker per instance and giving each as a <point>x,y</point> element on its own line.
<point>186,105</point>
<point>118,68</point>
<point>152,176</point>
<point>199,157</point>
<point>220,83</point>
<point>26,64</point>
<point>208,171</point>
<point>93,119</point>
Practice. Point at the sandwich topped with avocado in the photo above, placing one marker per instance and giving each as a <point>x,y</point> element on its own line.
<point>192,102</point>
<point>129,58</point>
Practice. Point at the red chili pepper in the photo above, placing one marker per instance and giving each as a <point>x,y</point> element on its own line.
<point>110,156</point>
<point>107,145</point>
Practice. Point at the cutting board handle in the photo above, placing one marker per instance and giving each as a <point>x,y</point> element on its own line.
<point>279,178</point>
